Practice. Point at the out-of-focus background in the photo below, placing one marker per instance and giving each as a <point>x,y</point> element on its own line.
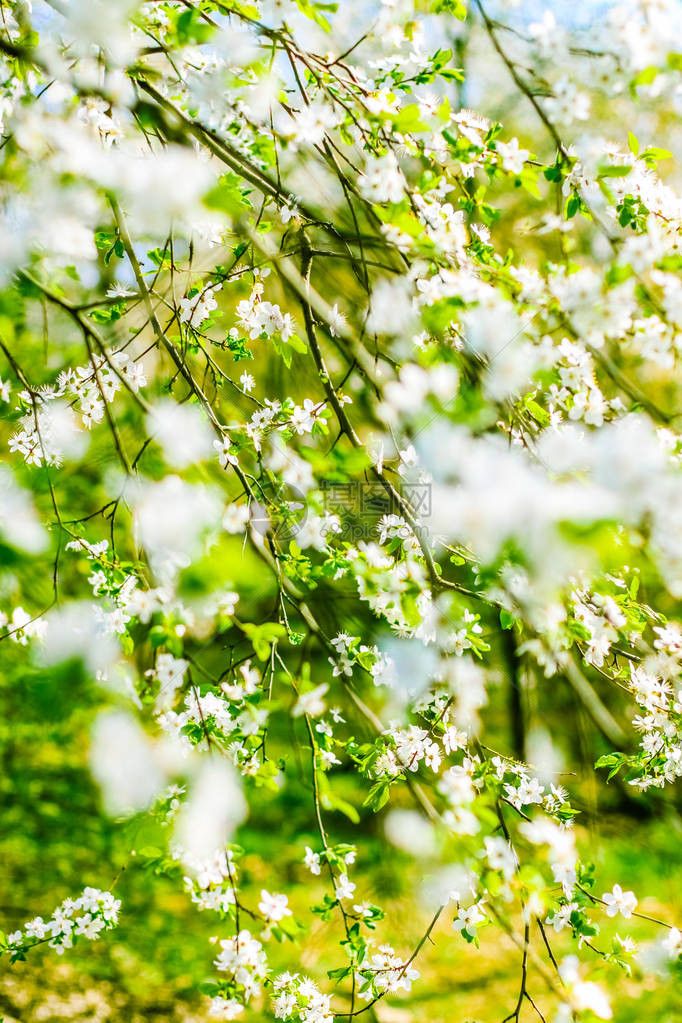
<point>55,839</point>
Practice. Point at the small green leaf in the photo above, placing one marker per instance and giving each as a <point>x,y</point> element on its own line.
<point>646,77</point>
<point>150,852</point>
<point>655,153</point>
<point>614,171</point>
<point>330,801</point>
<point>506,619</point>
<point>572,206</point>
<point>454,7</point>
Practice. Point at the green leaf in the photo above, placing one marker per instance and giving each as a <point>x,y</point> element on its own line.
<point>263,636</point>
<point>157,635</point>
<point>190,28</point>
<point>158,256</point>
<point>614,171</point>
<point>314,12</point>
<point>298,344</point>
<point>290,926</point>
<point>529,181</point>
<point>451,74</point>
<point>340,973</point>
<point>614,761</point>
<point>572,206</point>
<point>378,796</point>
<point>282,350</point>
<point>617,274</point>
<point>228,196</point>
<point>150,852</point>
<point>633,143</point>
<point>506,619</point>
<point>330,801</point>
<point>104,239</point>
<point>655,153</point>
<point>553,173</point>
<point>454,7</point>
<point>408,120</point>
<point>646,77</point>
<point>537,411</point>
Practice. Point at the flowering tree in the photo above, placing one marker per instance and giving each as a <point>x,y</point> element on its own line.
<point>343,465</point>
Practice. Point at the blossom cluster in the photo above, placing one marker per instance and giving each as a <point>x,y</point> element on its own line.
<point>87,917</point>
